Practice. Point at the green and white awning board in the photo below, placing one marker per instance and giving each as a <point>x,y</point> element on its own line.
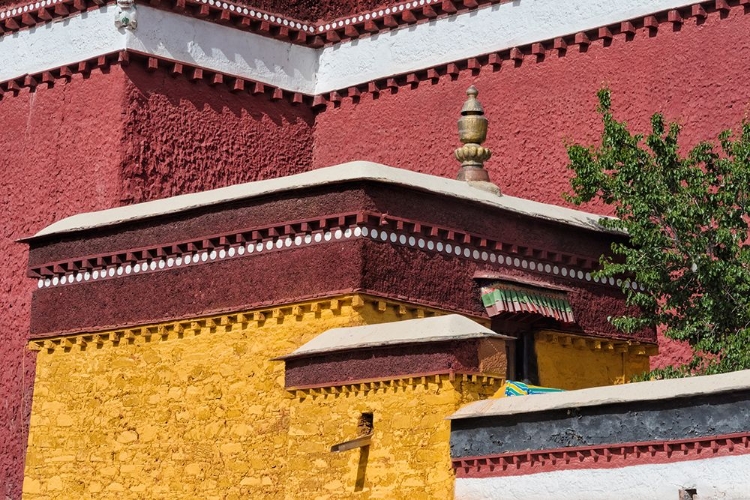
<point>501,298</point>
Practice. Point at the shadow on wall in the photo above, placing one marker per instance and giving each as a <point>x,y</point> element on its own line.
<point>183,137</point>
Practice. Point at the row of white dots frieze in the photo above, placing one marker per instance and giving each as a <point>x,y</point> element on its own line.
<point>375,14</point>
<point>287,242</point>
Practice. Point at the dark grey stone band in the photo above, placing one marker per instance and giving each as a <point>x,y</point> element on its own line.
<point>684,418</point>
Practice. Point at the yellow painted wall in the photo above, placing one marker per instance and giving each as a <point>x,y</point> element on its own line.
<point>572,362</point>
<point>409,457</point>
<point>197,410</point>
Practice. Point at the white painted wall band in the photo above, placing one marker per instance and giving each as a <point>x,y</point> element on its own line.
<point>224,49</point>
<point>302,69</point>
<point>721,477</point>
<point>68,41</point>
<point>461,36</point>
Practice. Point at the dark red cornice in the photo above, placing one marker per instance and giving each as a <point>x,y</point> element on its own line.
<point>609,456</point>
<point>254,20</point>
<point>397,230</point>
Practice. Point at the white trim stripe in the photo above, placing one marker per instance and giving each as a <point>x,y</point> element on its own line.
<point>462,36</point>
<point>303,69</point>
<point>48,46</point>
<point>227,50</point>
<point>720,477</point>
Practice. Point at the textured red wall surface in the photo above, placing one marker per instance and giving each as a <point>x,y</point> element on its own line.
<point>695,75</point>
<point>184,137</point>
<point>131,136</point>
<point>110,139</point>
<point>60,155</point>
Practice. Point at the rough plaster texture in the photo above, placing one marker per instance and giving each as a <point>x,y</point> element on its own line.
<point>447,282</point>
<point>569,368</point>
<point>536,107</point>
<point>643,421</point>
<point>61,154</point>
<point>189,417</point>
<point>308,272</point>
<point>532,109</point>
<point>101,141</point>
<point>182,137</point>
<point>722,477</point>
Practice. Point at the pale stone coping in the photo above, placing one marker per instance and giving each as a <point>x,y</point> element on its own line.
<point>345,172</point>
<point>412,331</point>
<point>656,390</point>
<point>303,69</point>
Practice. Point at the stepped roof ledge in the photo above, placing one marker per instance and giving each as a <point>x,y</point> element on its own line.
<point>655,390</point>
<point>338,174</point>
<point>412,331</point>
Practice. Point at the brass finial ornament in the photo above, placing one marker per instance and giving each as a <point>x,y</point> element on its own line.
<point>472,130</point>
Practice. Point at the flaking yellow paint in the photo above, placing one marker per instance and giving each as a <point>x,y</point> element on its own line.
<point>572,362</point>
<point>201,412</point>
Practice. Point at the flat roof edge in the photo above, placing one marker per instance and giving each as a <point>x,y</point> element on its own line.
<point>655,390</point>
<point>345,172</point>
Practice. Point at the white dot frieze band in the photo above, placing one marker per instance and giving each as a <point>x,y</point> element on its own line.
<point>281,243</point>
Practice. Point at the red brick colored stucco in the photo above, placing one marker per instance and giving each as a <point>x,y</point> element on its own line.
<point>694,75</point>
<point>129,136</point>
<point>183,137</point>
<point>60,155</point>
<point>109,139</point>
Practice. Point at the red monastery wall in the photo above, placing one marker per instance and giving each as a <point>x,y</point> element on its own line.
<point>127,136</point>
<point>694,75</point>
<point>110,139</point>
<point>172,123</point>
<point>534,107</point>
<point>60,155</point>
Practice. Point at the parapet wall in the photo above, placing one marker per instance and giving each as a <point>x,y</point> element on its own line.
<point>647,440</point>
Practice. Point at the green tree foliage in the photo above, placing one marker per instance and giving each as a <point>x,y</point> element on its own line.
<point>687,217</point>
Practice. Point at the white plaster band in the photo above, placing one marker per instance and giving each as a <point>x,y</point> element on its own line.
<point>302,69</point>
<point>721,477</point>
<point>226,50</point>
<point>458,37</point>
<point>75,39</point>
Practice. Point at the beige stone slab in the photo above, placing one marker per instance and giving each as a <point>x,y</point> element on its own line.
<point>656,390</point>
<point>422,330</point>
<point>352,171</point>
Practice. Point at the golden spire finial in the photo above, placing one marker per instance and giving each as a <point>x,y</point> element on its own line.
<point>472,130</point>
